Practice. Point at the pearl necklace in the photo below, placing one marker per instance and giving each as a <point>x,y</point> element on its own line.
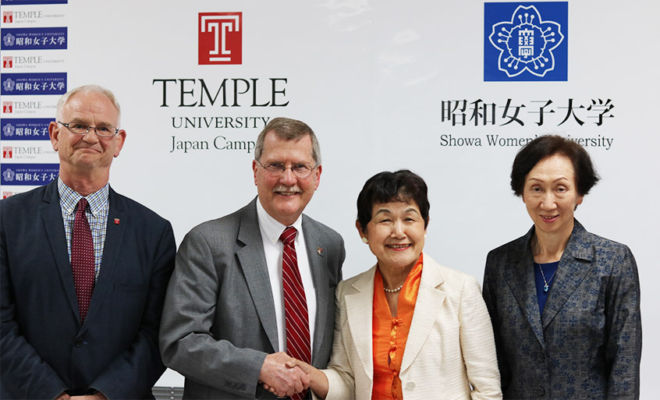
<point>393,290</point>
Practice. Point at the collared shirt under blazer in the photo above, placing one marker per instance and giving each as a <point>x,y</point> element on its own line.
<point>219,316</point>
<point>45,346</point>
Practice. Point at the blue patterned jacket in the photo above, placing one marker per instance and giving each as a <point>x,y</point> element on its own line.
<point>588,342</point>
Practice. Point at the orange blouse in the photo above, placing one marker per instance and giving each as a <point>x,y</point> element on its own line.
<point>390,334</point>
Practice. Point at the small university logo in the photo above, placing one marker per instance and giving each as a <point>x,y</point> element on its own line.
<point>7,17</point>
<point>8,130</point>
<point>220,38</point>
<point>9,39</point>
<point>7,152</point>
<point>7,107</point>
<point>9,85</point>
<point>7,62</point>
<point>526,41</point>
<point>9,175</point>
<point>7,194</point>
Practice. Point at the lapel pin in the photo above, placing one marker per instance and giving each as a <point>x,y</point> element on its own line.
<point>320,251</point>
<point>116,221</point>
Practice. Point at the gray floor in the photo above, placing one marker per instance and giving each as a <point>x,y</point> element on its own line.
<point>167,392</point>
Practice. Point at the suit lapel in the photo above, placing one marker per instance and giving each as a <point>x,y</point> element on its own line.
<point>429,299</point>
<point>253,263</point>
<point>51,216</point>
<point>520,278</point>
<point>359,313</point>
<point>114,233</point>
<point>574,266</point>
<point>317,264</point>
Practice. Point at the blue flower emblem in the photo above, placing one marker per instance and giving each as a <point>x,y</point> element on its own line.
<point>9,85</point>
<point>526,43</point>
<point>8,130</point>
<point>9,40</point>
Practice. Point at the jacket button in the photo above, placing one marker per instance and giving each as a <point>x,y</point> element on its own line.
<point>410,386</point>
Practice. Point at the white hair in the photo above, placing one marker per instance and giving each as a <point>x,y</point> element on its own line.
<point>87,88</point>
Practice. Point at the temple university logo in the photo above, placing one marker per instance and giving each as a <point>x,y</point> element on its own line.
<point>7,62</point>
<point>7,17</point>
<point>7,107</point>
<point>7,152</point>
<point>220,38</point>
<point>526,41</point>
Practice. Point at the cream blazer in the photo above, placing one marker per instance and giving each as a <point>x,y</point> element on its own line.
<point>450,351</point>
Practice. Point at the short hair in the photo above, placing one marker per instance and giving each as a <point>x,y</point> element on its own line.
<point>384,187</point>
<point>288,129</point>
<point>87,88</point>
<point>549,145</point>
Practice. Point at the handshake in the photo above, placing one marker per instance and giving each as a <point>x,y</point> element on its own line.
<point>284,376</point>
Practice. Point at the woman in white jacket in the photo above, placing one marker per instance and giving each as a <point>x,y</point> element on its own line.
<point>408,328</point>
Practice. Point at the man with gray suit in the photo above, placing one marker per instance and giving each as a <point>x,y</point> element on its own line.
<point>259,283</point>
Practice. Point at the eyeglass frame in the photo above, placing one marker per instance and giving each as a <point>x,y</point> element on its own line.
<point>89,127</point>
<point>281,169</point>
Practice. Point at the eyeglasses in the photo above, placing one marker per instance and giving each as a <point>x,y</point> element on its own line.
<point>300,170</point>
<point>82,129</point>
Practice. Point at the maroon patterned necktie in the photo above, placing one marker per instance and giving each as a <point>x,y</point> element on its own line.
<point>82,259</point>
<point>295,305</point>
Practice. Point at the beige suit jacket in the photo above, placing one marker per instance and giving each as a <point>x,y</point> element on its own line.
<point>450,351</point>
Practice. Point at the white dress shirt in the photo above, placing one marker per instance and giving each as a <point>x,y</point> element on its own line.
<point>271,230</point>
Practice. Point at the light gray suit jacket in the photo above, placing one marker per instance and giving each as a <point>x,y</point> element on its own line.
<point>218,322</point>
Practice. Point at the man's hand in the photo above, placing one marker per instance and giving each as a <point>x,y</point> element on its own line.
<point>279,379</point>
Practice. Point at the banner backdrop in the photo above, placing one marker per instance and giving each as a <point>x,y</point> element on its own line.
<point>450,90</point>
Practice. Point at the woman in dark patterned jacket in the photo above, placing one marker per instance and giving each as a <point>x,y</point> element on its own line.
<point>564,302</point>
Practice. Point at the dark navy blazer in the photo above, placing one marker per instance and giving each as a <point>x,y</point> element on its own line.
<point>587,343</point>
<point>44,349</point>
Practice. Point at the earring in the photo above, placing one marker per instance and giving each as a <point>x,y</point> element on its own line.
<point>365,240</point>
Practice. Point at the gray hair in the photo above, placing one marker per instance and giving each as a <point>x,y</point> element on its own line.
<point>288,129</point>
<point>87,88</point>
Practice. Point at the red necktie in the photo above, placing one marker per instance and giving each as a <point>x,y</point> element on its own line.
<point>295,304</point>
<point>82,259</point>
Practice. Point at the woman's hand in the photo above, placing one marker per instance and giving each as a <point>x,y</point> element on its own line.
<point>318,382</point>
<point>279,378</point>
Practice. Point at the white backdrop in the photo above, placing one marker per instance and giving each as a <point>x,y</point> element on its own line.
<point>371,79</point>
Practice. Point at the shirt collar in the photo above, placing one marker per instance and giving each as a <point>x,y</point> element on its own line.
<point>272,229</point>
<point>69,198</point>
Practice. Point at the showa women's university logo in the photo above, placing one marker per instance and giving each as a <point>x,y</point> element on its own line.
<point>527,44</point>
<point>8,129</point>
<point>8,174</point>
<point>9,40</point>
<point>9,85</point>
